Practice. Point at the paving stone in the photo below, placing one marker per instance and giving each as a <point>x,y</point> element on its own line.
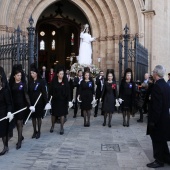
<point>80,147</point>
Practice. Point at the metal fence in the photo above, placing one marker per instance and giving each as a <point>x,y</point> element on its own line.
<point>17,48</point>
<point>132,55</point>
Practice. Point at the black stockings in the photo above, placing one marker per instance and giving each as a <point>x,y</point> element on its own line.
<point>86,114</point>
<point>36,133</point>
<point>5,143</point>
<point>105,118</point>
<point>126,113</point>
<point>19,125</point>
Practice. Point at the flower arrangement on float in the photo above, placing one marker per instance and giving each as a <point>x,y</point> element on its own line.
<point>94,70</point>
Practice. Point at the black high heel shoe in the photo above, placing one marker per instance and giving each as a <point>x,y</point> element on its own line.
<point>61,131</point>
<point>109,125</point>
<point>4,151</point>
<point>18,146</point>
<point>38,135</point>
<point>52,129</point>
<point>21,140</point>
<point>34,134</point>
<point>88,124</point>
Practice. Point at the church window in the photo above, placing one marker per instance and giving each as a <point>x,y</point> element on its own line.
<point>42,33</point>
<point>53,45</point>
<point>53,33</point>
<point>42,45</point>
<point>72,39</point>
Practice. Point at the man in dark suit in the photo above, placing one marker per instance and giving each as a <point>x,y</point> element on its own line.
<point>70,81</point>
<point>44,74</point>
<point>159,118</point>
<point>99,82</point>
<point>76,83</point>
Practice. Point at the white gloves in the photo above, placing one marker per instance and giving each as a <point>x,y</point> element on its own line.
<point>10,116</point>
<point>100,100</point>
<point>32,108</point>
<point>70,104</point>
<point>94,102</point>
<point>117,103</point>
<point>120,100</point>
<point>47,106</point>
<point>78,99</point>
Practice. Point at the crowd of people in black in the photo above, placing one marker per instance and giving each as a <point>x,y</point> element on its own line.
<point>152,96</point>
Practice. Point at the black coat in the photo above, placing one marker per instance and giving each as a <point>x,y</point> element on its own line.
<point>5,106</point>
<point>61,96</point>
<point>127,92</point>
<point>109,97</point>
<point>20,99</point>
<point>34,90</point>
<point>86,92</point>
<point>159,118</point>
<point>99,87</point>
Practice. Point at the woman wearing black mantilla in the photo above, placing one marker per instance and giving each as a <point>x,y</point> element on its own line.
<point>60,92</point>
<point>35,87</point>
<point>86,95</point>
<point>5,108</point>
<point>127,93</point>
<point>109,96</point>
<point>20,98</point>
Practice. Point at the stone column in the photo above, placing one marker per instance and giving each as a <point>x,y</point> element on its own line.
<point>148,17</point>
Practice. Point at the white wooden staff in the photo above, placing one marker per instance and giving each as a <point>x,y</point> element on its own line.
<point>13,114</point>
<point>34,106</point>
<point>50,103</point>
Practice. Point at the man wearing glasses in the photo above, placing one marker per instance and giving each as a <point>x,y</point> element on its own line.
<point>159,119</point>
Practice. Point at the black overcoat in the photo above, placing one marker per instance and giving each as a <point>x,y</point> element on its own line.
<point>5,106</point>
<point>34,89</point>
<point>61,96</point>
<point>127,92</point>
<point>159,117</point>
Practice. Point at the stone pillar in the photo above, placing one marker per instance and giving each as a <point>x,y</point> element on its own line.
<point>148,16</point>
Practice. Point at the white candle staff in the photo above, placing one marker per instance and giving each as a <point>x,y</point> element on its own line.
<point>48,109</point>
<point>10,116</point>
<point>34,106</point>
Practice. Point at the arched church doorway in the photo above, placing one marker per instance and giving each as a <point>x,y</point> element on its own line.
<point>58,30</point>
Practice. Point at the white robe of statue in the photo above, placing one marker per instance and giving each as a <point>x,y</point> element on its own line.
<point>85,50</point>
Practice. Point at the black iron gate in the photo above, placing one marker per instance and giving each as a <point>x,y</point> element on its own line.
<point>18,48</point>
<point>132,55</point>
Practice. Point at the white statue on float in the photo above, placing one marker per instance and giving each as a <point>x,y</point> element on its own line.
<point>85,50</point>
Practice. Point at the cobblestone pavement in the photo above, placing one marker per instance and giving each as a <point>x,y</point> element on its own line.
<point>82,148</point>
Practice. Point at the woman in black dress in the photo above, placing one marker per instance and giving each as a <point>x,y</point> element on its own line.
<point>35,87</point>
<point>86,94</point>
<point>5,106</point>
<point>109,97</point>
<point>20,98</point>
<point>60,93</point>
<point>127,93</point>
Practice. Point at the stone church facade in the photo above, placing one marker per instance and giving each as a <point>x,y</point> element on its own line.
<point>149,19</point>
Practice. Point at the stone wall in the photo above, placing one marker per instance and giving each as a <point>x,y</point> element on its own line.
<point>107,18</point>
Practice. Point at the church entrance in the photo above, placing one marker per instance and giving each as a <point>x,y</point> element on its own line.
<point>58,31</point>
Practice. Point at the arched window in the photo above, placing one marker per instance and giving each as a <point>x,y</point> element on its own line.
<point>72,39</point>
<point>53,45</point>
<point>53,33</point>
<point>42,33</point>
<point>42,45</point>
